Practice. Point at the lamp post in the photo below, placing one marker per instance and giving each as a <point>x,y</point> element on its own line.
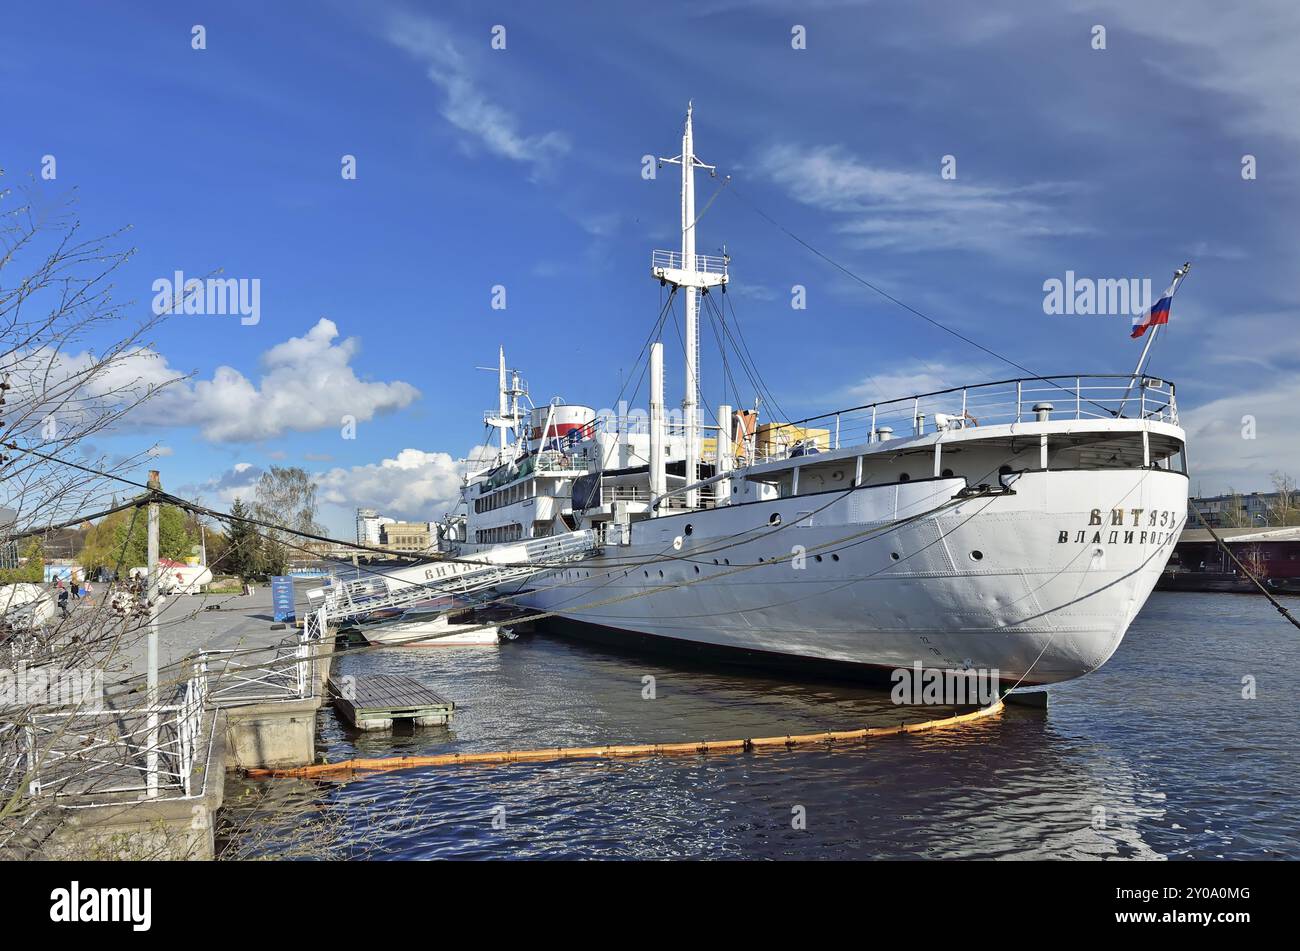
<point>151,681</point>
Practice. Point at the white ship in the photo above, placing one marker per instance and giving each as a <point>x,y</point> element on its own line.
<point>1016,526</point>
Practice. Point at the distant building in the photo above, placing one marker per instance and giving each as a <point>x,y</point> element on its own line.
<point>1251,510</point>
<point>9,556</point>
<point>410,537</point>
<point>370,526</point>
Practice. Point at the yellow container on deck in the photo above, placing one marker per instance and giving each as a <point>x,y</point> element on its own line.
<point>771,438</point>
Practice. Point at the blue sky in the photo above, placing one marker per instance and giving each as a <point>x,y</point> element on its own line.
<point>522,167</point>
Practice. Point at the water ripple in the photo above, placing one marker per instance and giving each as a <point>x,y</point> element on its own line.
<point>1155,756</point>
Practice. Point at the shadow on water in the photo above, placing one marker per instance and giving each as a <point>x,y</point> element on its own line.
<point>1157,755</point>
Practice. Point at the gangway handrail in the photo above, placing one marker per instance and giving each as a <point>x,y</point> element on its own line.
<point>354,599</point>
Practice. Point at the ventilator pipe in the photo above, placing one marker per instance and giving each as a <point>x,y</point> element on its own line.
<point>658,475</point>
<point>724,460</point>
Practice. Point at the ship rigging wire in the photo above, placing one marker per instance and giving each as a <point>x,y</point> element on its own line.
<point>853,275</point>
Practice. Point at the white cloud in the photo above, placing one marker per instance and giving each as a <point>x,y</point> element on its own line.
<point>1220,457</point>
<point>754,292</point>
<point>465,105</point>
<point>414,484</point>
<point>912,380</point>
<point>306,383</point>
<point>1249,56</point>
<point>221,490</point>
<point>915,210</point>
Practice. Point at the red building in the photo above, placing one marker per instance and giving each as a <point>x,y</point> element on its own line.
<point>1199,564</point>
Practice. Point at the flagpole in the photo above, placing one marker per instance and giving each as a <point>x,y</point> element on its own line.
<point>1137,370</point>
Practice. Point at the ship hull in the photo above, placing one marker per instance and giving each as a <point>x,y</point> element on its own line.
<point>1040,583</point>
<point>433,630</point>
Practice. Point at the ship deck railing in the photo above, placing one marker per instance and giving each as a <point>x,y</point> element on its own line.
<point>1027,399</point>
<point>704,263</point>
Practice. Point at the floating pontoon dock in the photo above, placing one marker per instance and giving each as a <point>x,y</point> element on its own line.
<point>375,701</point>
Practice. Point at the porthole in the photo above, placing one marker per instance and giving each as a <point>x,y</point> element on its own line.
<point>688,529</point>
<point>774,519</point>
<point>697,569</point>
<point>819,557</point>
<point>976,555</point>
<point>837,475</point>
<point>893,556</point>
<point>904,477</point>
<point>715,561</point>
<point>947,473</point>
<point>835,557</point>
<point>661,573</point>
<point>726,561</point>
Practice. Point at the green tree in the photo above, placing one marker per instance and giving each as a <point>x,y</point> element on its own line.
<point>117,542</point>
<point>243,556</point>
<point>33,569</point>
<point>285,496</point>
<point>1285,510</point>
<point>1233,514</point>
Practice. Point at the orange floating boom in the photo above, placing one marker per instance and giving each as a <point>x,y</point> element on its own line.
<point>615,752</point>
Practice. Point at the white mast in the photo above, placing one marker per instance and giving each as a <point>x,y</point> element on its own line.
<point>691,398</point>
<point>506,418</point>
<point>693,273</point>
<point>501,398</point>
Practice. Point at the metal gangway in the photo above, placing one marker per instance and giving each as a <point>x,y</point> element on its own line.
<point>402,588</point>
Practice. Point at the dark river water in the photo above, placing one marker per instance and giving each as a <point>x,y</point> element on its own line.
<point>1156,755</point>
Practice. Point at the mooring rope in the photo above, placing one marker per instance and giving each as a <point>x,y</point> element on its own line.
<point>1227,550</point>
<point>623,751</point>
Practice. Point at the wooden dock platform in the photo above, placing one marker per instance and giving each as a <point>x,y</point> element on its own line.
<point>375,701</point>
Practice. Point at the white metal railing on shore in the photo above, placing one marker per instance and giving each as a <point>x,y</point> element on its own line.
<point>83,754</point>
<point>1079,397</point>
<point>88,753</point>
<point>15,746</point>
<point>287,676</point>
<point>704,263</point>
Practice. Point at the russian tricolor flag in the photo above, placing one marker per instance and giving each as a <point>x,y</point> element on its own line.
<point>1156,314</point>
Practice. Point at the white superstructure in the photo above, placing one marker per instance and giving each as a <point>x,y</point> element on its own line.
<point>1017,525</point>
